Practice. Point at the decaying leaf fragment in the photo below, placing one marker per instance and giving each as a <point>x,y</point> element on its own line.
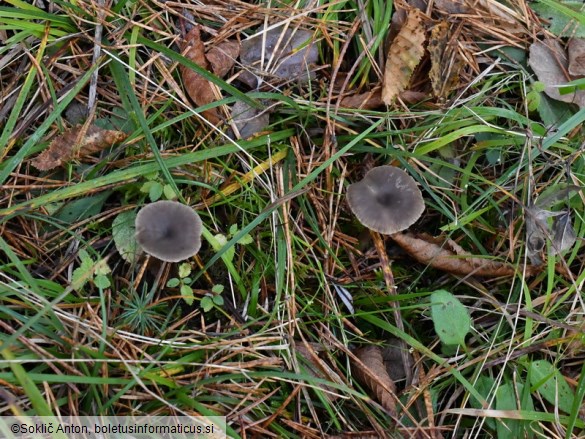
<point>445,60</point>
<point>564,235</point>
<point>249,120</point>
<point>452,258</point>
<point>372,373</point>
<point>404,56</point>
<point>373,99</point>
<point>576,51</point>
<point>75,144</point>
<point>223,56</point>
<point>219,59</point>
<point>549,61</point>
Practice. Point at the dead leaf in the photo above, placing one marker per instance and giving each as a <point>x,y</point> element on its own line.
<point>223,57</point>
<point>249,120</point>
<point>445,60</point>
<point>537,232</point>
<point>392,355</point>
<point>74,144</point>
<point>404,55</point>
<point>198,88</point>
<point>452,258</point>
<point>537,228</point>
<point>576,51</point>
<point>371,372</point>
<point>452,6</point>
<point>287,54</point>
<point>373,99</point>
<point>549,61</point>
<point>563,233</point>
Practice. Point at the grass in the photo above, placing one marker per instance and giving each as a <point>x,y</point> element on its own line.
<point>107,335</point>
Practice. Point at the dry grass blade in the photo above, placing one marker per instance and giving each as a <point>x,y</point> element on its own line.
<point>404,56</point>
<point>371,371</point>
<point>75,143</point>
<point>456,260</point>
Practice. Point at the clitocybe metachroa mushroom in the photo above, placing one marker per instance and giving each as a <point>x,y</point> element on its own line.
<point>387,200</point>
<point>168,230</point>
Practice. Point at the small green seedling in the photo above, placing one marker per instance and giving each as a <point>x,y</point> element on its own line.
<point>88,269</point>
<point>220,240</point>
<point>213,299</point>
<point>155,189</point>
<point>184,282</point>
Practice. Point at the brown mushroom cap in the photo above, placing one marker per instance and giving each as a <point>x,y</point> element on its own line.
<point>387,200</point>
<point>169,230</point>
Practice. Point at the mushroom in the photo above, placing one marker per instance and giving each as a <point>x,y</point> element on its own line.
<point>169,230</point>
<point>387,200</point>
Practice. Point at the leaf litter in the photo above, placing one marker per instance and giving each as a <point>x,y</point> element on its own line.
<point>284,53</point>
<point>404,56</point>
<point>219,60</point>
<point>76,143</point>
<point>371,371</point>
<point>549,61</point>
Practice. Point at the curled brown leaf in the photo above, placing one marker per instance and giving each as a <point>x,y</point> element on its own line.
<point>223,57</point>
<point>198,88</point>
<point>75,144</point>
<point>452,258</point>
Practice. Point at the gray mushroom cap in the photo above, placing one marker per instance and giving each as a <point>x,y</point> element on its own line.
<point>387,200</point>
<point>169,230</point>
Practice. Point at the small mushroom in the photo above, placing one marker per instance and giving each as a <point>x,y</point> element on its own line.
<point>168,230</point>
<point>387,200</point>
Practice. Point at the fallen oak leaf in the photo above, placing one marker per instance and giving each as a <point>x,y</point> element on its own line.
<point>74,144</point>
<point>198,88</point>
<point>456,260</point>
<point>404,55</point>
<point>370,370</point>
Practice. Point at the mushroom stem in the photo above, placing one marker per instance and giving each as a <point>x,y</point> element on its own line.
<point>389,279</point>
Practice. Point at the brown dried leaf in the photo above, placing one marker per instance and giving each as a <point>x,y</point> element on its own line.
<point>371,372</point>
<point>392,355</point>
<point>373,99</point>
<point>454,260</point>
<point>198,88</point>
<point>576,51</point>
<point>74,144</point>
<point>445,60</point>
<point>223,57</point>
<point>549,61</point>
<point>404,56</point>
